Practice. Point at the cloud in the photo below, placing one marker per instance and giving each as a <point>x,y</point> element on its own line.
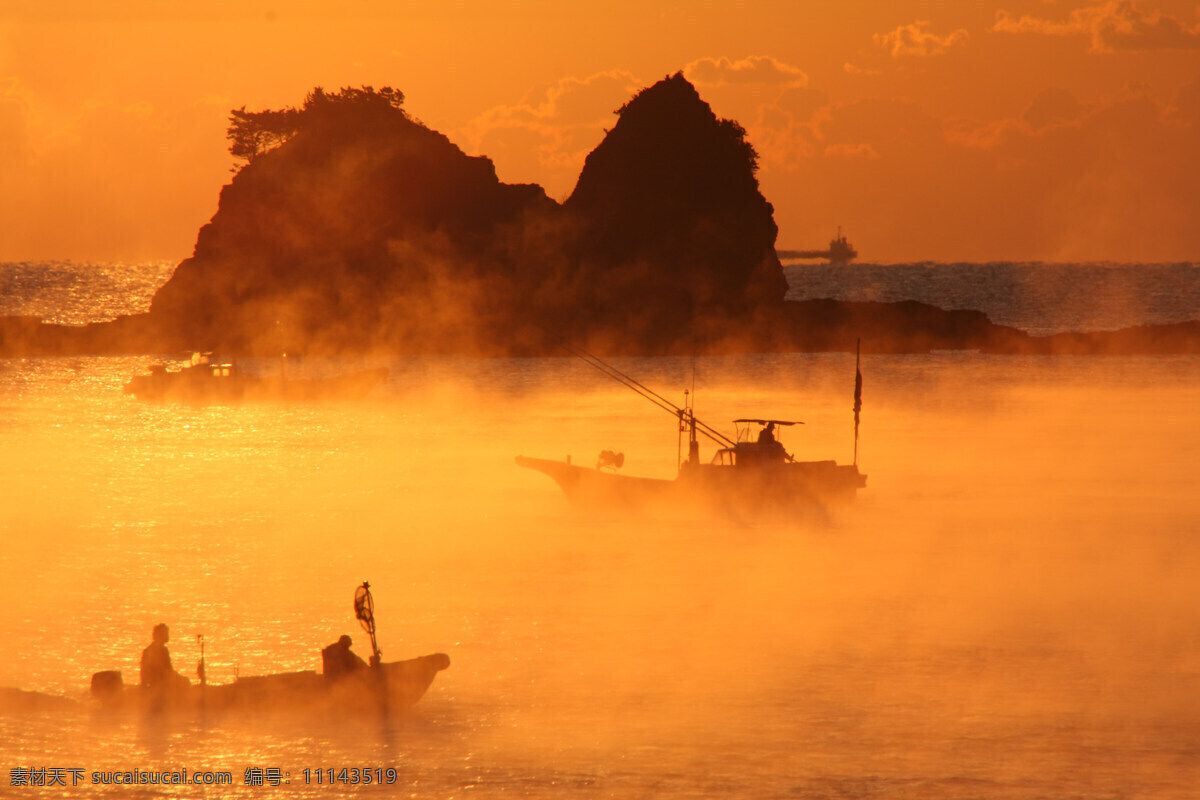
<point>1066,180</point>
<point>756,70</point>
<point>14,136</point>
<point>785,139</point>
<point>1187,104</point>
<point>860,150</point>
<point>1111,26</point>
<point>853,69</point>
<point>1053,106</point>
<point>584,101</point>
<point>802,103</point>
<point>782,126</point>
<point>917,40</point>
<point>545,137</point>
<point>986,136</point>
<point>890,126</point>
<point>54,174</point>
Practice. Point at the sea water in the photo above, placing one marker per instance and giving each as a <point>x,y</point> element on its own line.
<point>1039,298</point>
<point>1008,610</point>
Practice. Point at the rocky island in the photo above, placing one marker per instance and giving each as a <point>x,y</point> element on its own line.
<point>352,227</point>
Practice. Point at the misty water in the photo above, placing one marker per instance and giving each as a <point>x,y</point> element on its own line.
<point>1008,610</point>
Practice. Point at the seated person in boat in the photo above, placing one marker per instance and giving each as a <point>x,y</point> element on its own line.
<point>767,434</point>
<point>338,661</point>
<point>772,448</point>
<point>157,672</point>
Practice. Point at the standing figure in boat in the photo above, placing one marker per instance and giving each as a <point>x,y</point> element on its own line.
<point>157,672</point>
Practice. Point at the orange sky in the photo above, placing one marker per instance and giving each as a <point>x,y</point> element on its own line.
<point>931,130</point>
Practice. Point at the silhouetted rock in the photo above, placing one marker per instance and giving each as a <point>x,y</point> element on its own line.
<point>370,230</point>
<point>904,327</point>
<point>673,226</point>
<point>367,229</point>
<point>353,227</point>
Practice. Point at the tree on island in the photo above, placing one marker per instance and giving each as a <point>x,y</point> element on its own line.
<point>252,133</point>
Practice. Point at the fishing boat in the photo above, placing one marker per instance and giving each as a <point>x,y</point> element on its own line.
<point>752,471</point>
<point>206,382</point>
<point>378,686</point>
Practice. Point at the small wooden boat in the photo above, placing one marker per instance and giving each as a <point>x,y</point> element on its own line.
<point>206,383</point>
<point>379,686</point>
<point>386,687</point>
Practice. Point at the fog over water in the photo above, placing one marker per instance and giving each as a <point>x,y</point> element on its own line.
<point>1008,610</point>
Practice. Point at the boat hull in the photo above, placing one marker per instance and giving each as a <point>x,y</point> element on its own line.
<point>390,687</point>
<point>587,486</point>
<point>765,487</point>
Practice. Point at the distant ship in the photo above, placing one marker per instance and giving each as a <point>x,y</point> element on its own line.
<point>840,251</point>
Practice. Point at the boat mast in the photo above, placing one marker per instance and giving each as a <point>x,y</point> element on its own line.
<point>679,435</point>
<point>687,422</point>
<point>364,610</point>
<point>200,671</point>
<point>693,444</point>
<point>857,394</point>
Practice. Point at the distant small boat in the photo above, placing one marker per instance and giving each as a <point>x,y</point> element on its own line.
<point>205,382</point>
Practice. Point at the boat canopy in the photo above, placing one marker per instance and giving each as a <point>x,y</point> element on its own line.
<point>746,432</point>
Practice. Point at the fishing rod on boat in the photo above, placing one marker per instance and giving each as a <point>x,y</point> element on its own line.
<point>623,379</point>
<point>364,611</point>
<point>685,415</point>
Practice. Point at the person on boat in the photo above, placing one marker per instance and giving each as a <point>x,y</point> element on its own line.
<point>767,434</point>
<point>338,661</point>
<point>157,672</point>
<point>772,448</point>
